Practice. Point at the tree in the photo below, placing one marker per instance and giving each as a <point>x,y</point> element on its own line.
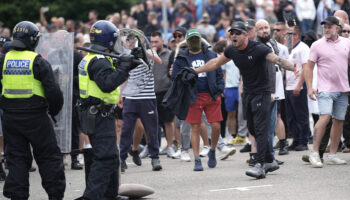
<point>14,11</point>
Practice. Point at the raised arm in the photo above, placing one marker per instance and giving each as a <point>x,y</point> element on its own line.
<point>280,61</point>
<point>213,64</point>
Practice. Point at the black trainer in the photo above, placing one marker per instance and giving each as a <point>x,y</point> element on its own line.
<point>257,171</point>
<point>252,161</point>
<point>123,166</point>
<point>135,157</point>
<point>301,147</point>
<point>247,148</point>
<point>156,166</point>
<point>270,167</point>
<point>292,146</point>
<point>75,165</point>
<point>283,148</point>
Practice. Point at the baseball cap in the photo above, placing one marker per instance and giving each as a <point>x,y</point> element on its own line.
<point>250,23</point>
<point>331,20</point>
<point>181,30</point>
<point>192,33</point>
<point>205,15</point>
<point>239,26</point>
<point>171,38</point>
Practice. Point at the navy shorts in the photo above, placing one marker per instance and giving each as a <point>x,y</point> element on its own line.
<point>231,99</point>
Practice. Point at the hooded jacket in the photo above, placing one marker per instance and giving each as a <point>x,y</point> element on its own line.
<point>216,82</point>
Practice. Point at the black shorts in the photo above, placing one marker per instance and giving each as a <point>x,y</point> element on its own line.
<point>164,114</point>
<point>118,113</point>
<point>279,102</point>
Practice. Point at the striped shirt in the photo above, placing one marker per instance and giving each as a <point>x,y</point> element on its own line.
<point>140,84</point>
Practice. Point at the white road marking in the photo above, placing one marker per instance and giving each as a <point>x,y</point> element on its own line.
<point>240,188</point>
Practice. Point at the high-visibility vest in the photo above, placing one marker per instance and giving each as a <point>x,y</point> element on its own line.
<point>17,76</point>
<point>88,87</point>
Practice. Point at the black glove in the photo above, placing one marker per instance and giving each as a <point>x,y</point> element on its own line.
<point>128,63</point>
<point>139,52</point>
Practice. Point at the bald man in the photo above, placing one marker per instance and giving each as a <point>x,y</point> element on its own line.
<point>342,15</point>
<point>264,35</point>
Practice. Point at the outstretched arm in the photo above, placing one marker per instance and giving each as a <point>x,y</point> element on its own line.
<point>213,64</point>
<point>280,61</point>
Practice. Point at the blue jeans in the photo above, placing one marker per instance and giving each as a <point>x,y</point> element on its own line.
<point>272,125</point>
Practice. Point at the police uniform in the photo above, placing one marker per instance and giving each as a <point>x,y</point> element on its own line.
<point>99,94</point>
<point>98,83</point>
<point>29,90</point>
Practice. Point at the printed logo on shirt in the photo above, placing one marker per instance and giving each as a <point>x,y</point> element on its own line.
<point>250,57</point>
<point>197,64</point>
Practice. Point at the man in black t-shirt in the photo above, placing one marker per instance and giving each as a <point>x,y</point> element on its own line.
<point>250,57</point>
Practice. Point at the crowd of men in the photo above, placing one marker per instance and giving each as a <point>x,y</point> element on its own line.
<point>230,73</point>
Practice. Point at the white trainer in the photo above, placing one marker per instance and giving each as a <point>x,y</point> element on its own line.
<point>144,153</point>
<point>335,160</point>
<point>226,151</point>
<point>204,151</point>
<point>177,154</point>
<point>315,160</point>
<point>170,152</point>
<point>185,156</point>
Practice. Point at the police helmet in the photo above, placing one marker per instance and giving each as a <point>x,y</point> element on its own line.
<point>25,36</point>
<point>103,35</point>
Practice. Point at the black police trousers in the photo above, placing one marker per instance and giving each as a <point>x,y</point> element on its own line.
<point>103,179</point>
<point>256,109</point>
<point>22,130</point>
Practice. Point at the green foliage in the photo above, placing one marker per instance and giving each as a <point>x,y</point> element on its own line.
<point>14,11</point>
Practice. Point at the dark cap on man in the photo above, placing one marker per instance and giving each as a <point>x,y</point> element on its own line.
<point>331,20</point>
<point>181,30</point>
<point>238,26</point>
<point>250,23</point>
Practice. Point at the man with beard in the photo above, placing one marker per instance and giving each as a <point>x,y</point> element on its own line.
<point>332,87</point>
<point>250,57</point>
<point>276,81</point>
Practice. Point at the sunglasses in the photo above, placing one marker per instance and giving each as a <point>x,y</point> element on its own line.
<point>276,29</point>
<point>235,33</point>
<point>178,36</point>
<point>346,31</point>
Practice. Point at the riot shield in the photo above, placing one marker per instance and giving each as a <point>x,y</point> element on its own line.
<point>57,49</point>
<point>127,40</point>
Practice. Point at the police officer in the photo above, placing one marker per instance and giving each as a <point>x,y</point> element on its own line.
<point>98,85</point>
<point>28,93</point>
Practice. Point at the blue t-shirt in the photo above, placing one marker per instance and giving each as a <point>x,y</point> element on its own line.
<point>197,60</point>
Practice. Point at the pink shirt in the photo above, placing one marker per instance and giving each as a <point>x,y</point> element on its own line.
<point>331,58</point>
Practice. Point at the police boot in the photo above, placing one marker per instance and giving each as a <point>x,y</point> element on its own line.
<point>75,163</point>
<point>2,173</point>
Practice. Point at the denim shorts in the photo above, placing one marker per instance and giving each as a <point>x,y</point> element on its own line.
<point>333,103</point>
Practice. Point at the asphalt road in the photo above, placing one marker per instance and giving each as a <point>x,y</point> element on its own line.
<point>295,180</point>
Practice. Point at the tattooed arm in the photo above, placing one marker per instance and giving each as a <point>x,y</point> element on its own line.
<point>280,62</point>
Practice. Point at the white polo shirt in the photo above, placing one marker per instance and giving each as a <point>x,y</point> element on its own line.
<point>299,56</point>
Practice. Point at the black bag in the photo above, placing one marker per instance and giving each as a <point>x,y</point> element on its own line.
<point>87,120</point>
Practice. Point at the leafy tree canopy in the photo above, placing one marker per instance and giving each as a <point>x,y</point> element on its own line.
<point>14,11</point>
